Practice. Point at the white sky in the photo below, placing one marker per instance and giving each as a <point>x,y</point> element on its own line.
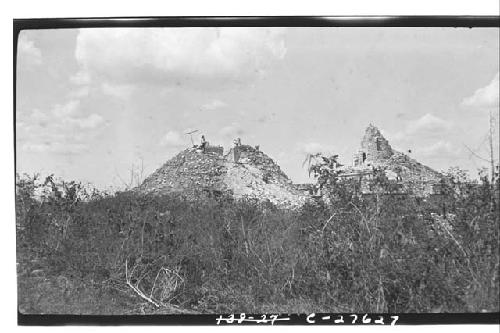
<point>93,102</point>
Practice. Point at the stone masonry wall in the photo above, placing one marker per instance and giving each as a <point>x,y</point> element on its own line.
<point>376,151</point>
<point>375,146</point>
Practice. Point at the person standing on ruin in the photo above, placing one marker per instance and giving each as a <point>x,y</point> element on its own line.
<point>203,142</point>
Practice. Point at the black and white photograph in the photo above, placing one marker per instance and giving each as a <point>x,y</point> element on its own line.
<point>239,168</point>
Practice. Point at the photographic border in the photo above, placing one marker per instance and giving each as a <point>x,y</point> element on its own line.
<point>244,21</point>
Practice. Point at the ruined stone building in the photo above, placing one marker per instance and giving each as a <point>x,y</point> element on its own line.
<point>374,148</point>
<point>376,152</point>
<point>245,171</point>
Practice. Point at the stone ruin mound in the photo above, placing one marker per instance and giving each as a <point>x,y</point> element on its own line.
<point>189,172</point>
<point>244,171</point>
<point>376,152</point>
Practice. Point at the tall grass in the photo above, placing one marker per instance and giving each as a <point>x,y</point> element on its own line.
<point>131,253</point>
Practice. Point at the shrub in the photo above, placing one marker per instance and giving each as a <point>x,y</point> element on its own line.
<point>372,254</point>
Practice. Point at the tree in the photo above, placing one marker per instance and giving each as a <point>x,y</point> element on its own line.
<point>325,169</point>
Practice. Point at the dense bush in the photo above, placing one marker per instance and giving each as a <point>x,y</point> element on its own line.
<point>84,252</point>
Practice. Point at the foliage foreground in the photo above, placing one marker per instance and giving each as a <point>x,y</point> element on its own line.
<point>81,253</point>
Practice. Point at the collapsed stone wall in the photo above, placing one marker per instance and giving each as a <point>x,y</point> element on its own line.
<point>251,174</point>
<point>416,177</point>
<point>218,150</point>
<point>374,147</point>
<point>376,152</point>
<point>245,154</point>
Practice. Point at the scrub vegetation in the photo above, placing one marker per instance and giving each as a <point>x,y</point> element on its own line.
<point>86,252</point>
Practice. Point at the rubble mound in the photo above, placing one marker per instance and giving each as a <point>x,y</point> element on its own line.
<point>190,172</point>
<point>411,166</point>
<point>244,172</point>
<point>251,173</point>
<point>376,152</point>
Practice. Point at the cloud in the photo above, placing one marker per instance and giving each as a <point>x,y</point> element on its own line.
<point>57,147</point>
<point>213,105</point>
<point>67,109</point>
<point>231,131</point>
<point>424,137</point>
<point>314,148</point>
<point>178,55</point>
<point>36,147</point>
<point>62,129</point>
<point>80,92</point>
<point>428,123</point>
<point>67,114</point>
<point>81,78</point>
<point>485,97</point>
<point>122,91</point>
<point>173,139</point>
<point>262,119</point>
<point>90,122</point>
<point>39,117</point>
<point>440,149</point>
<point>28,54</point>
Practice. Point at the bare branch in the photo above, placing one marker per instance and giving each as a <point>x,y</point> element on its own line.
<point>326,223</point>
<point>362,217</point>
<point>136,288</point>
